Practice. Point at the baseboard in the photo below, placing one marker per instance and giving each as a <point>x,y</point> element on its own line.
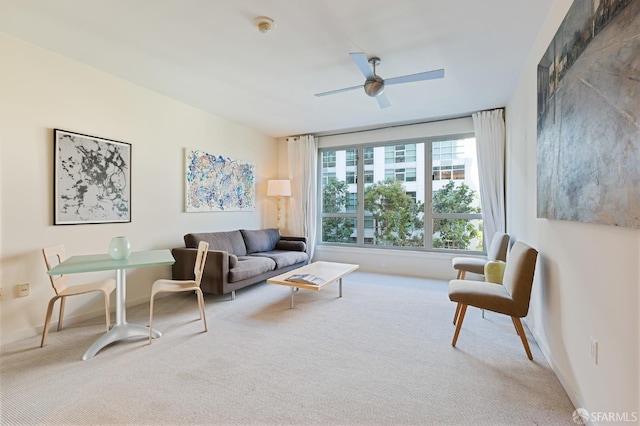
<point>70,320</point>
<point>573,395</point>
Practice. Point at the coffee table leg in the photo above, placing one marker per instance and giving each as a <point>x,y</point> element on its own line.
<point>340,287</point>
<point>293,290</point>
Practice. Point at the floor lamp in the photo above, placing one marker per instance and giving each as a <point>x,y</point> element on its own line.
<point>279,188</point>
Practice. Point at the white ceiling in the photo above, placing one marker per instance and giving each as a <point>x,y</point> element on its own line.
<point>208,54</point>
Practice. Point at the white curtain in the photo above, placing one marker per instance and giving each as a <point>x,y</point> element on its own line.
<point>490,146</point>
<point>303,160</point>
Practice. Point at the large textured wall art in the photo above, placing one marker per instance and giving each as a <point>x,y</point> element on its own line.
<point>216,183</point>
<point>589,116</point>
<point>92,179</point>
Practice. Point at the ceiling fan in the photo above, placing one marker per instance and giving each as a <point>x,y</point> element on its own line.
<point>374,84</point>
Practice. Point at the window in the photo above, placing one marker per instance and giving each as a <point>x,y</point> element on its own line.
<point>380,201</point>
<point>352,202</point>
<point>368,176</point>
<point>368,156</point>
<point>326,177</point>
<point>328,159</point>
<point>351,157</point>
<point>402,175</point>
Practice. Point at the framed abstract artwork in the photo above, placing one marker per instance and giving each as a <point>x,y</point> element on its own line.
<point>92,179</point>
<point>588,131</point>
<point>217,183</point>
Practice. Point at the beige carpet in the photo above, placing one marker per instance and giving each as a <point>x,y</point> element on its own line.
<point>380,355</point>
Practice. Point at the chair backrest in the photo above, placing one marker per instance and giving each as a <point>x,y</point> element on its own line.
<point>53,256</point>
<point>201,258</point>
<point>518,276</point>
<point>498,248</point>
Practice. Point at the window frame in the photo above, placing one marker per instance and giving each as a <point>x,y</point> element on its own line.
<point>359,214</point>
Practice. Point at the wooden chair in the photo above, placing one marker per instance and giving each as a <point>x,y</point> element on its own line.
<point>497,251</point>
<point>174,286</point>
<point>53,256</point>
<point>511,298</point>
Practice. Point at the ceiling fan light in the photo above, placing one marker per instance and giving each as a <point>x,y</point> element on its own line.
<point>374,87</point>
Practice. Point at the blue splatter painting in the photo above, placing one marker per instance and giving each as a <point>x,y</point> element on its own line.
<point>217,183</point>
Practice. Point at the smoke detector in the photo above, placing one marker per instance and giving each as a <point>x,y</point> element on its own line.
<point>264,24</point>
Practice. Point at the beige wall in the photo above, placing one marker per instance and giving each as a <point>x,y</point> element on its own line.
<point>587,281</point>
<point>41,91</point>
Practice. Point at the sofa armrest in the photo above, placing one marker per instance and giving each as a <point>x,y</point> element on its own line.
<point>285,239</point>
<point>216,268</point>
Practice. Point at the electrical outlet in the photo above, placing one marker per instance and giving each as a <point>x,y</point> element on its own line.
<point>23,290</point>
<point>593,350</point>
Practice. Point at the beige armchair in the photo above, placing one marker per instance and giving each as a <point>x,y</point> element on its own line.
<point>497,251</point>
<point>511,298</point>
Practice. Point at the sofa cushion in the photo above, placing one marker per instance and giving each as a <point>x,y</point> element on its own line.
<point>231,241</point>
<point>283,258</point>
<point>250,266</point>
<point>291,245</point>
<point>260,240</point>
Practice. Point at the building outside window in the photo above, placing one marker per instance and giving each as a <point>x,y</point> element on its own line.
<point>386,207</point>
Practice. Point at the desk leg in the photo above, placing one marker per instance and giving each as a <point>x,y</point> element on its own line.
<point>121,329</point>
<point>293,290</point>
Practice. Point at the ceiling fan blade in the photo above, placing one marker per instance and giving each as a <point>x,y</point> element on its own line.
<point>383,101</point>
<point>361,61</point>
<point>333,92</point>
<point>421,76</point>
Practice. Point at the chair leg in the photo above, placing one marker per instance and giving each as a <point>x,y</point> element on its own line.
<point>106,308</point>
<point>151,318</point>
<point>47,320</point>
<point>455,316</point>
<point>201,306</point>
<point>514,324</point>
<point>523,337</point>
<point>461,274</point>
<point>463,310</point>
<point>62,300</point>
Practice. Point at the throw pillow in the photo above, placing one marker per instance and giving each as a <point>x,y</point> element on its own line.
<point>494,271</point>
<point>260,240</point>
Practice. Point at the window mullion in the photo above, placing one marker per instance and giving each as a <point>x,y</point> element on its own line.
<point>360,191</point>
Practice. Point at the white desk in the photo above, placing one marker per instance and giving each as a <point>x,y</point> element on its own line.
<point>103,262</point>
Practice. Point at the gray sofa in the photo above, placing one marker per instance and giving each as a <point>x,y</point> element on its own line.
<point>237,259</point>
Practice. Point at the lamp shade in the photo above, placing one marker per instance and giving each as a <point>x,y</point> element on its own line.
<point>280,187</point>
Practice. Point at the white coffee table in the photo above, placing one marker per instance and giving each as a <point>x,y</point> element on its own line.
<point>330,272</point>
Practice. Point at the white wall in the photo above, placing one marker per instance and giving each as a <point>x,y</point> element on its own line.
<point>41,91</point>
<point>587,281</point>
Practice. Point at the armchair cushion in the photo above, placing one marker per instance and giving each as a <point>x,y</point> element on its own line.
<point>482,294</point>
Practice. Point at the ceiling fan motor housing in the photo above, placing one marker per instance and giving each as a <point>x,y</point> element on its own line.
<point>374,86</point>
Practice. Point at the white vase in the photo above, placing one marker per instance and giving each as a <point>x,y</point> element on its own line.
<point>119,248</point>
